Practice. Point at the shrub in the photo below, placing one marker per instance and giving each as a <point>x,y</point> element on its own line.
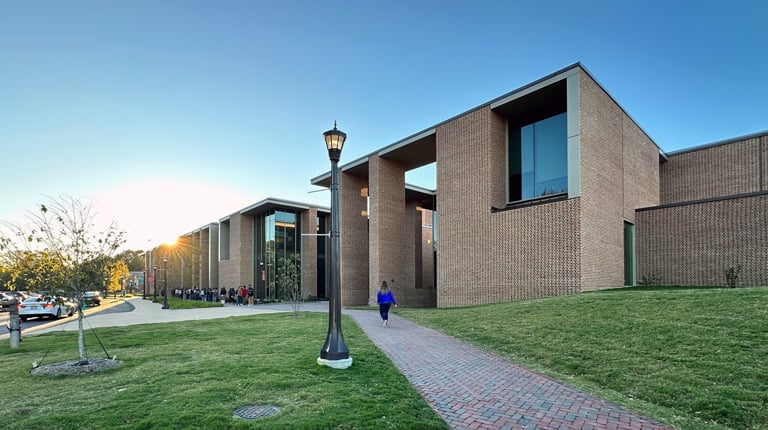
<point>732,276</point>
<point>650,279</point>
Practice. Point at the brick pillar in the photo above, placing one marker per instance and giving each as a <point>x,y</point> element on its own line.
<point>202,259</point>
<point>412,233</point>
<point>213,255</point>
<point>309,253</point>
<point>387,226</point>
<point>246,250</point>
<point>354,241</point>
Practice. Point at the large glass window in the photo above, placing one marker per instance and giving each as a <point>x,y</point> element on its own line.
<point>279,244</point>
<point>538,159</point>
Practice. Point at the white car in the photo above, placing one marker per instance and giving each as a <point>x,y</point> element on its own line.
<point>44,306</point>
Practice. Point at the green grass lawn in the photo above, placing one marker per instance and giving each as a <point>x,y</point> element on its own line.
<point>195,374</point>
<point>693,358</point>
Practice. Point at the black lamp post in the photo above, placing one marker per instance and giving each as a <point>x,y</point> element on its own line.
<point>154,284</point>
<point>165,282</point>
<point>334,353</point>
<point>144,285</point>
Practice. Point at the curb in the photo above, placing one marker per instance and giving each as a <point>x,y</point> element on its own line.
<point>105,304</point>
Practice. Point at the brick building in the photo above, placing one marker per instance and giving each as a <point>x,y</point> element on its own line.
<point>250,247</point>
<point>551,189</point>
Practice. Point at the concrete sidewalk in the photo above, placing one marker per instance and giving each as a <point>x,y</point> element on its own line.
<point>469,387</point>
<point>140,311</point>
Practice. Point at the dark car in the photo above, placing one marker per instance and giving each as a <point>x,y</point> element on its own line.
<point>91,298</point>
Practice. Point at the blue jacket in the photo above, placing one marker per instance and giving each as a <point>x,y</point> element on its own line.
<point>388,297</point>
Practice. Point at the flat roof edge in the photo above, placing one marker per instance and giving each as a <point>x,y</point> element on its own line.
<point>420,189</point>
<point>719,143</point>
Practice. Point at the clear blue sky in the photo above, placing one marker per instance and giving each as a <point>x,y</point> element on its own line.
<point>172,114</point>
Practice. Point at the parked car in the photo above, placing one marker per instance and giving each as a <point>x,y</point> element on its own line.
<point>91,298</point>
<point>7,302</point>
<point>44,306</point>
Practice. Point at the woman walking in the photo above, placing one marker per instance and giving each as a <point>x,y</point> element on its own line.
<point>385,299</point>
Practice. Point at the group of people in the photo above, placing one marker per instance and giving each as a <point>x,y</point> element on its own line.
<point>240,296</point>
<point>243,295</point>
<point>194,293</point>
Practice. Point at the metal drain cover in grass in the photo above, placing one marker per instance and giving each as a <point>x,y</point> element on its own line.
<point>255,412</point>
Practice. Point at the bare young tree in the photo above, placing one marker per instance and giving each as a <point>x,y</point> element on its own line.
<point>64,229</point>
<point>289,278</point>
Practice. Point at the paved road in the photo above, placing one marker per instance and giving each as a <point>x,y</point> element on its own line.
<point>470,388</point>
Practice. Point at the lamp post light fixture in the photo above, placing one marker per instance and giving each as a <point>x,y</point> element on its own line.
<point>154,284</point>
<point>334,353</point>
<point>165,282</point>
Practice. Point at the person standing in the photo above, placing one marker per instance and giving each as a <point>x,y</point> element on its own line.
<point>250,295</point>
<point>242,293</point>
<point>385,299</point>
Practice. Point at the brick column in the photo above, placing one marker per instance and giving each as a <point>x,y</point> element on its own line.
<point>387,226</point>
<point>354,240</point>
<point>246,250</point>
<point>202,258</point>
<point>309,253</point>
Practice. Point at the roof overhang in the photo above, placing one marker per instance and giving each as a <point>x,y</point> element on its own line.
<point>412,152</point>
<point>271,203</point>
<point>424,198</point>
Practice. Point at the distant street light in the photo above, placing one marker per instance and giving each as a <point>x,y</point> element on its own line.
<point>154,284</point>
<point>334,353</point>
<point>165,282</point>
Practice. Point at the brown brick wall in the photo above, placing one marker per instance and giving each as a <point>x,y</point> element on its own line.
<point>641,170</point>
<point>415,262</point>
<point>619,170</point>
<point>486,257</point>
<point>764,176</point>
<point>718,171</point>
<point>354,241</point>
<point>602,196</point>
<point>245,252</point>
<point>200,249</point>
<point>229,270</point>
<point>388,226</point>
<point>413,254</point>
<point>695,244</point>
<point>238,269</point>
<point>427,252</point>
<point>309,252</point>
<point>213,255</point>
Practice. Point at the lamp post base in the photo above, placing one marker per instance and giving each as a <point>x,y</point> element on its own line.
<point>335,364</point>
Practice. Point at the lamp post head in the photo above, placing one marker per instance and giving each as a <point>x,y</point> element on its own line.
<point>334,142</point>
<point>165,259</point>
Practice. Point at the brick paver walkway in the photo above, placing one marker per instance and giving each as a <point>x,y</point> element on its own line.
<point>473,389</point>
